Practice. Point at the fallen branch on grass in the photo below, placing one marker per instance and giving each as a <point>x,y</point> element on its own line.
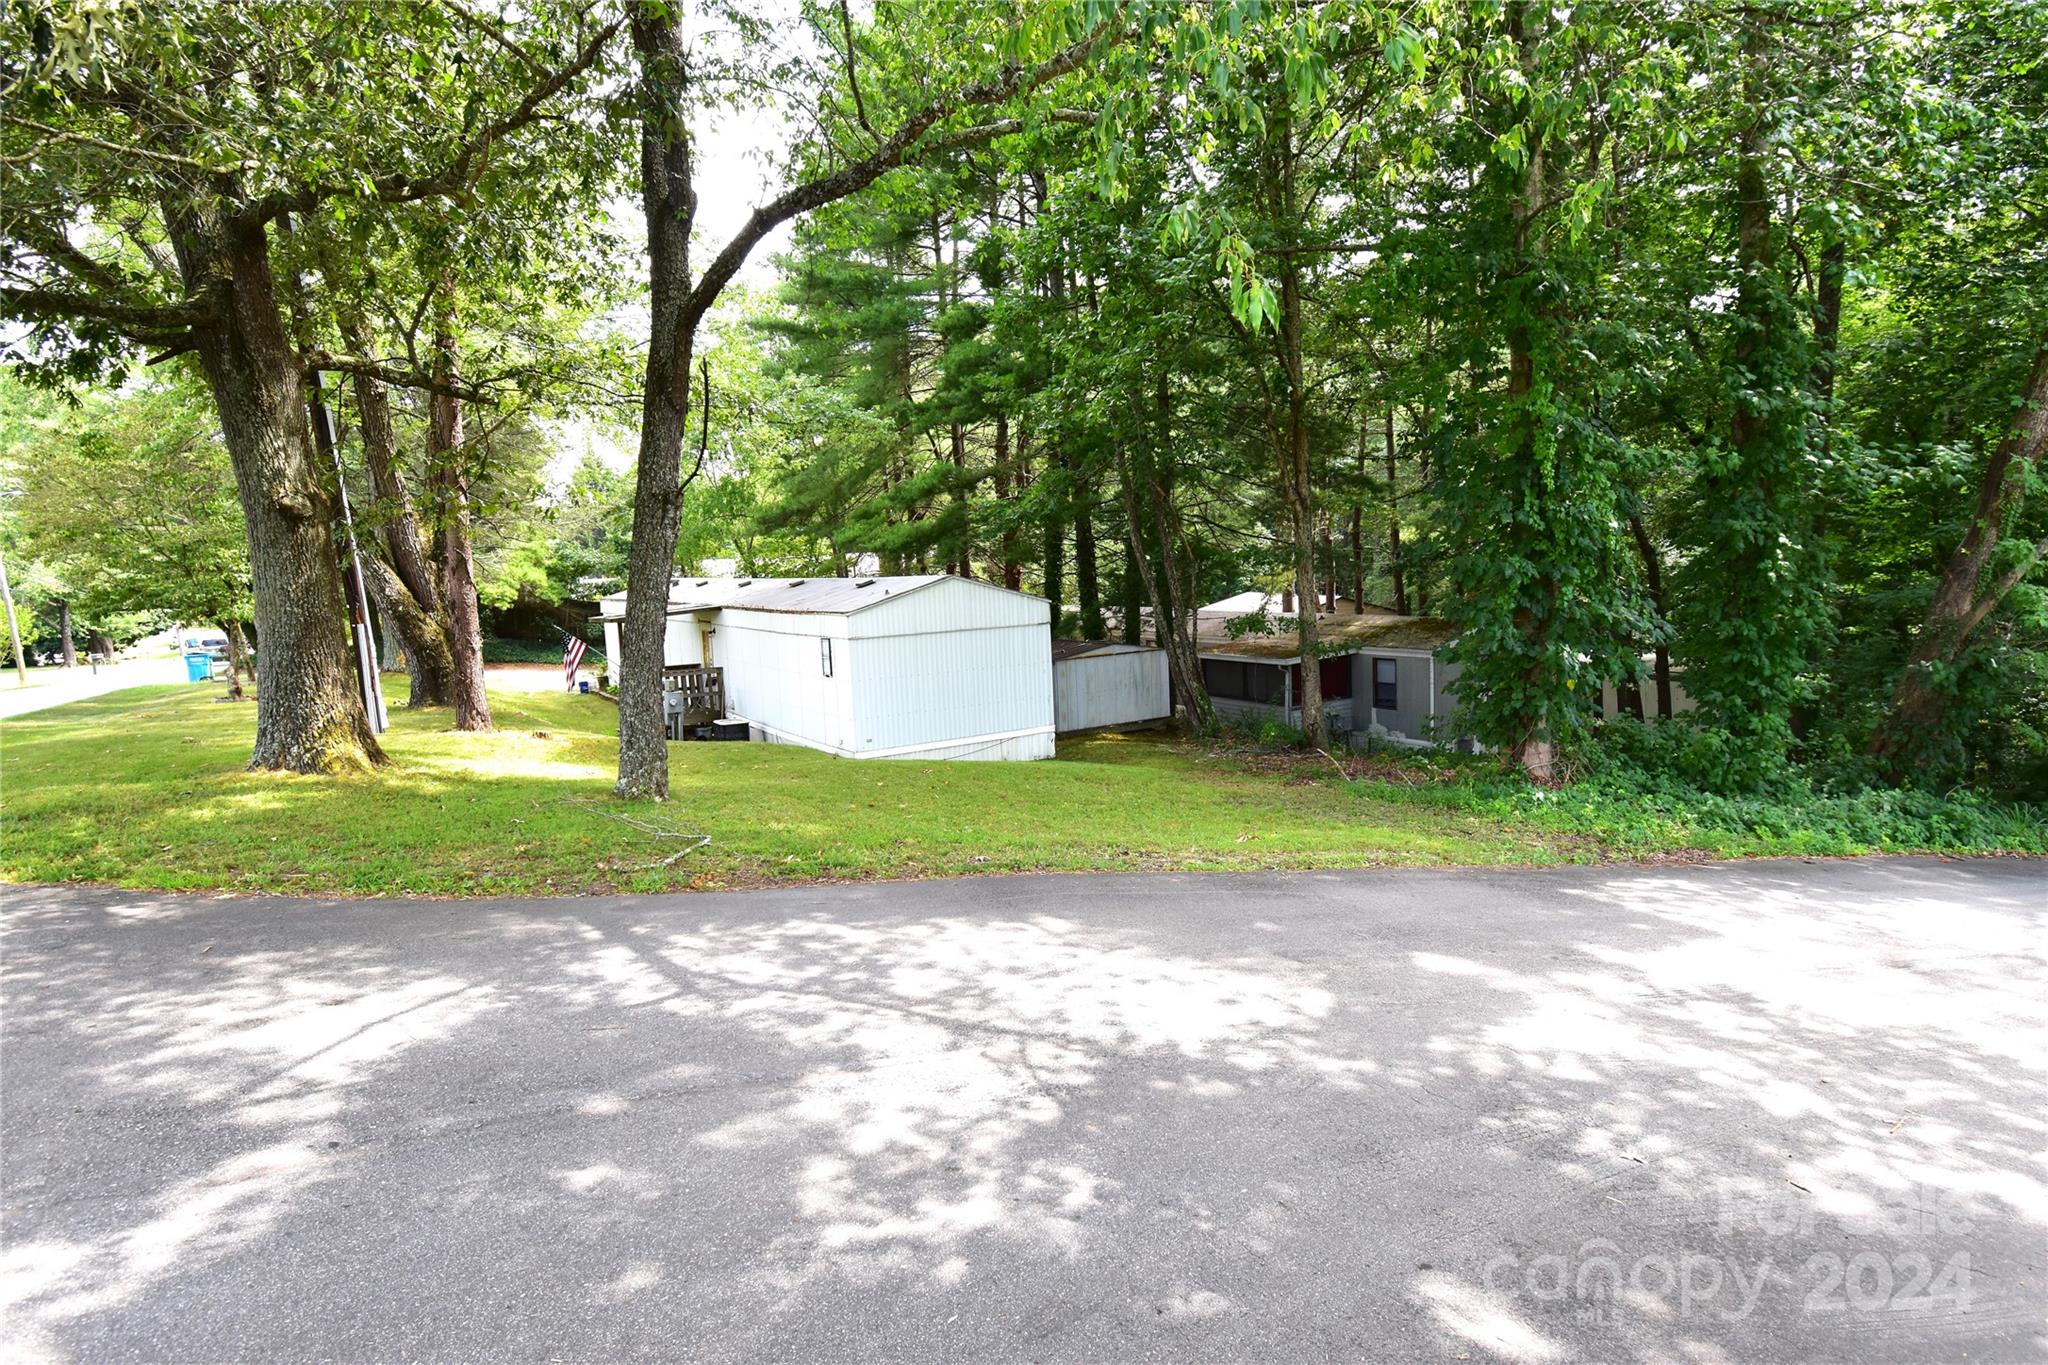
<point>697,841</point>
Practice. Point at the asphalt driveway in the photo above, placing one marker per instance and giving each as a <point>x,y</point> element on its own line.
<point>1773,1111</point>
<point>50,687</point>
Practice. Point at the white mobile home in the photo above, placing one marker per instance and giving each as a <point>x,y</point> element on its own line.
<point>932,666</point>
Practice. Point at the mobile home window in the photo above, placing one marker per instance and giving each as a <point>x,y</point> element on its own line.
<point>1238,681</point>
<point>1223,678</point>
<point>1335,675</point>
<point>825,654</point>
<point>1386,695</point>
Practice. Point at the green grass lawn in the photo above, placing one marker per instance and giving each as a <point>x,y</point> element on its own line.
<point>145,788</point>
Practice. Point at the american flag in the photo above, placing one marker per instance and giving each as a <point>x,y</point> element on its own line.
<point>573,651</point>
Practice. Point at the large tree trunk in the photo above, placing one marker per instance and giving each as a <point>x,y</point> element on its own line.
<point>1827,322</point>
<point>452,555</point>
<point>1399,572</point>
<point>1534,746</point>
<point>419,622</point>
<point>1147,479</point>
<point>1053,556</point>
<point>398,523</point>
<point>1006,482</point>
<point>1959,607</point>
<point>64,633</point>
<point>1653,585</point>
<point>1087,579</point>
<point>309,713</point>
<point>1130,605</point>
<point>669,200</point>
<point>428,658</point>
<point>238,648</point>
<point>1194,711</point>
<point>1296,488</point>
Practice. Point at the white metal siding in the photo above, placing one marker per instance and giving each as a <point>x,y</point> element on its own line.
<point>1123,688</point>
<point>683,642</point>
<point>775,677</point>
<point>956,684</point>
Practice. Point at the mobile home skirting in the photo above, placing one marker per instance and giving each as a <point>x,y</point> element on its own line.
<point>1029,744</point>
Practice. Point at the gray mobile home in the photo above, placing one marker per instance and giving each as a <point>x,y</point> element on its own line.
<point>1380,674</point>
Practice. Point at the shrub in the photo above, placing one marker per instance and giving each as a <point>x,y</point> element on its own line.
<point>498,651</point>
<point>1662,786</point>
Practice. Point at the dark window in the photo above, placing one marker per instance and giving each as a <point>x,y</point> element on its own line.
<point>1336,676</point>
<point>1385,694</point>
<point>1223,678</point>
<point>1238,681</point>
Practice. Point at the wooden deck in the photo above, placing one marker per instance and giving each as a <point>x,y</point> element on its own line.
<point>692,696</point>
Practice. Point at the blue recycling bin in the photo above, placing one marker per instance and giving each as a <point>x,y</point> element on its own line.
<point>198,666</point>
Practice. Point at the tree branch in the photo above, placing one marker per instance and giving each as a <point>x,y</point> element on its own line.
<point>853,70</point>
<point>397,188</point>
<point>394,375</point>
<point>496,35</point>
<point>56,247</point>
<point>56,135</point>
<point>2005,583</point>
<point>161,323</point>
<point>895,150</point>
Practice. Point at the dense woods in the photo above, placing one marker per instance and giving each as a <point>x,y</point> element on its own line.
<point>1695,343</point>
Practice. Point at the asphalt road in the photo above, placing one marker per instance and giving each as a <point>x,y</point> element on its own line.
<point>1775,1112</point>
<point>56,686</point>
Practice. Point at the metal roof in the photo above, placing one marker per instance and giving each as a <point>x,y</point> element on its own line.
<point>605,618</point>
<point>1344,635</point>
<point>827,596</point>
<point>1245,603</point>
<point>1078,649</point>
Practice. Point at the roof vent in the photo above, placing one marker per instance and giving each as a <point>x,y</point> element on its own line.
<point>798,582</point>
<point>703,582</point>
<point>746,583</point>
<point>865,583</point>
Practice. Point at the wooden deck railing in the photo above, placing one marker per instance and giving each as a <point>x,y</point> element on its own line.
<point>699,693</point>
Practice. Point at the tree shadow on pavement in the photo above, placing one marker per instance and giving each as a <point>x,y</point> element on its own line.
<point>1614,1115</point>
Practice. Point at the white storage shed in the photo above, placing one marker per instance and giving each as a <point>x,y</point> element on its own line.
<point>1097,684</point>
<point>931,666</point>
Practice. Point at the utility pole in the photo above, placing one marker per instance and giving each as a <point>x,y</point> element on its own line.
<point>13,628</point>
